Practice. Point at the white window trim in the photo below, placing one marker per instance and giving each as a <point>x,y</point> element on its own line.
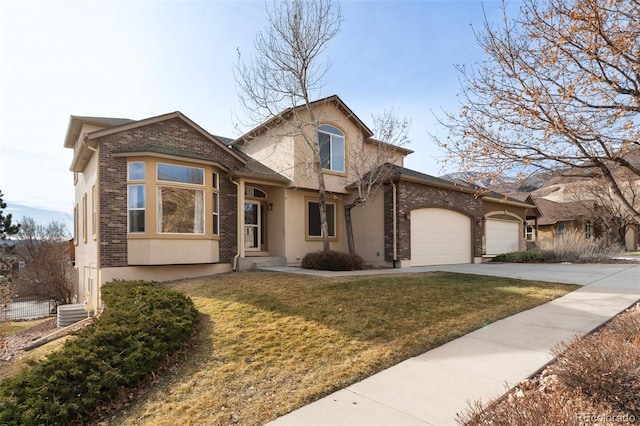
<point>331,147</point>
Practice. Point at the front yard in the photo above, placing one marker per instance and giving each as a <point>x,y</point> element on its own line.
<point>269,343</point>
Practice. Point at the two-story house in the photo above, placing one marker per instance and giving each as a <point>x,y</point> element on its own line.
<point>161,199</point>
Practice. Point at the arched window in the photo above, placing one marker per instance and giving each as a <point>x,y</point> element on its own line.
<point>331,141</point>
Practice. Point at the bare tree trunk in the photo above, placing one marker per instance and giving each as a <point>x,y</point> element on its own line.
<point>322,196</point>
<point>349,224</point>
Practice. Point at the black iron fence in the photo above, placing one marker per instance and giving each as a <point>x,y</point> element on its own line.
<point>27,307</point>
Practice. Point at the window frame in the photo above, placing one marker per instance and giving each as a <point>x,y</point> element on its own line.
<point>215,206</point>
<point>308,209</point>
<point>561,228</point>
<point>335,134</point>
<point>94,213</point>
<point>528,232</point>
<point>588,230</point>
<point>143,208</point>
<point>85,231</point>
<point>180,182</point>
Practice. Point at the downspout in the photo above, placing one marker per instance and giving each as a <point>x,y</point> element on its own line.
<point>240,221</point>
<point>395,226</point>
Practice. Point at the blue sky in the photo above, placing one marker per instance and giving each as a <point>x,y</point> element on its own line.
<point>138,59</point>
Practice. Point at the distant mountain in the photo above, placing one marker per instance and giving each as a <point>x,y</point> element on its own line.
<point>474,178</point>
<point>501,184</point>
<point>41,216</point>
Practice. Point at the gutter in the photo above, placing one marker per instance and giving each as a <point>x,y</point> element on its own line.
<point>240,222</point>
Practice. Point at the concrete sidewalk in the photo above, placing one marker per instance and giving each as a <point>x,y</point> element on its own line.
<point>432,388</point>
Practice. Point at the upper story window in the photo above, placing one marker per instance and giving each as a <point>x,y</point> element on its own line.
<point>332,153</point>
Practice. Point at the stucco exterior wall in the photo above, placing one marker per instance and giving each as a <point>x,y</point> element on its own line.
<point>296,241</point>
<point>162,273</point>
<point>368,230</point>
<point>86,230</point>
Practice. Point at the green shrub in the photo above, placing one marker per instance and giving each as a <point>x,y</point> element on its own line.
<point>526,256</point>
<point>332,261</point>
<point>142,324</point>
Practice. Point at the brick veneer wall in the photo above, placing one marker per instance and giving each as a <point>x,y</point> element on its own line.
<point>411,196</point>
<point>173,133</point>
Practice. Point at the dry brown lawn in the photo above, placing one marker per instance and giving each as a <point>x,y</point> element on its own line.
<point>269,343</point>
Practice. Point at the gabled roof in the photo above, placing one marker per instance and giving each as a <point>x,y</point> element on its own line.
<point>402,173</point>
<point>510,201</point>
<point>403,151</point>
<point>116,125</point>
<point>553,212</point>
<point>76,122</point>
<point>334,99</point>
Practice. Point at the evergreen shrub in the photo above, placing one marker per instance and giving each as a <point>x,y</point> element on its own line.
<point>331,260</point>
<point>143,323</point>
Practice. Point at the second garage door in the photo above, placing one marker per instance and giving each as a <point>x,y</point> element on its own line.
<point>440,237</point>
<point>502,236</point>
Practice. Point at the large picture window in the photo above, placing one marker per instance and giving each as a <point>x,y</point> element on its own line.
<point>180,210</point>
<point>313,211</point>
<point>175,198</point>
<point>331,141</point>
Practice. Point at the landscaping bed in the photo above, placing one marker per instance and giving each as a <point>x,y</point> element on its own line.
<point>593,380</point>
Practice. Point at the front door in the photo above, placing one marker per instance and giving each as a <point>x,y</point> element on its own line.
<point>252,226</point>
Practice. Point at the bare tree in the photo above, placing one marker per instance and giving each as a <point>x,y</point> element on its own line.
<point>370,162</point>
<point>560,89</point>
<point>46,253</point>
<point>7,229</point>
<point>287,74</point>
<point>610,216</point>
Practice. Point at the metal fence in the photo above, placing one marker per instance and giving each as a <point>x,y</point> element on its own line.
<point>27,307</point>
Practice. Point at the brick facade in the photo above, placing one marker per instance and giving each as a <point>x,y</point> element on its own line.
<point>175,134</point>
<point>412,195</point>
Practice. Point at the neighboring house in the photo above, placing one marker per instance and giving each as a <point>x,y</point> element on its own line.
<point>560,217</point>
<point>570,205</point>
<point>161,199</point>
<point>557,218</point>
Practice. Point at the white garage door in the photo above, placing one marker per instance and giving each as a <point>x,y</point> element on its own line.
<point>440,237</point>
<point>502,236</point>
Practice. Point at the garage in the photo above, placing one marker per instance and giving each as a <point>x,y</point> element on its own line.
<point>502,236</point>
<point>440,237</point>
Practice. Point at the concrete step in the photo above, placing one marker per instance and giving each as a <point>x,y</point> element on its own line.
<point>249,263</point>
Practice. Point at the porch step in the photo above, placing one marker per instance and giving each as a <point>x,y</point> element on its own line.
<point>248,263</point>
